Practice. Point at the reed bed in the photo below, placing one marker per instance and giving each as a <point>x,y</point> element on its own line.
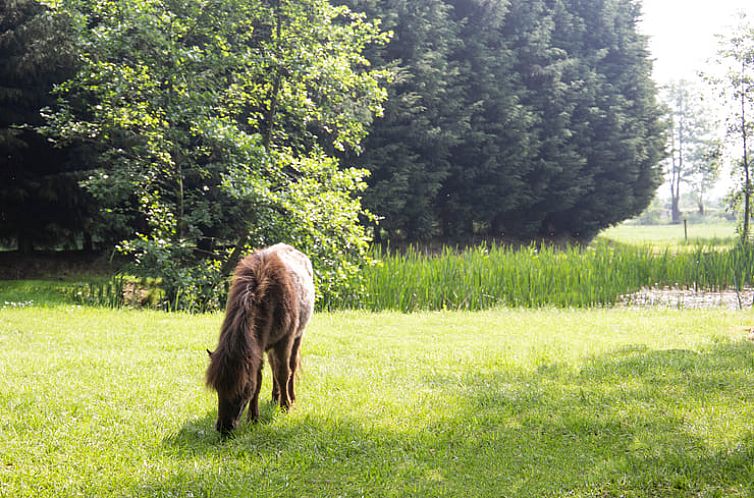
<point>487,276</point>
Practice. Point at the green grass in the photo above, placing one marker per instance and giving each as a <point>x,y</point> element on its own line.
<point>607,403</point>
<point>89,290</point>
<point>20,293</point>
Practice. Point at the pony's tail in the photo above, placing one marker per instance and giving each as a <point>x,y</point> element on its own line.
<point>226,369</point>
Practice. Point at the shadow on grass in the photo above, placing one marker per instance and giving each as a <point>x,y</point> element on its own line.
<point>635,422</point>
<point>199,435</point>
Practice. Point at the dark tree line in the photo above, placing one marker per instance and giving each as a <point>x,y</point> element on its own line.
<point>40,198</point>
<point>509,119</point>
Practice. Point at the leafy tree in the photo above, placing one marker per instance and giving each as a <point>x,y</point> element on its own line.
<point>40,200</point>
<point>736,88</point>
<point>213,120</point>
<point>706,161</point>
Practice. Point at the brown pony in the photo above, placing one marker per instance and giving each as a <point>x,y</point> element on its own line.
<point>270,302</point>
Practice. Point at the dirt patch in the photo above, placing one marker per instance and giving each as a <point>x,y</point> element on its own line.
<point>688,299</point>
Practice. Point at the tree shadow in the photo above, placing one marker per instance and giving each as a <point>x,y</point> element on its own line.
<point>633,422</point>
<point>641,421</point>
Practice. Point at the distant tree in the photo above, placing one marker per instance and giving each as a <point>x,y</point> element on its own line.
<point>214,121</point>
<point>695,149</point>
<point>736,88</point>
<point>40,199</point>
<point>706,163</point>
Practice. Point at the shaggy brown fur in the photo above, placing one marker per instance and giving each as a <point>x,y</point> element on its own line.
<point>269,304</point>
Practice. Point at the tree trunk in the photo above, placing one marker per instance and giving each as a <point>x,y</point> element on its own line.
<point>700,199</point>
<point>675,178</point>
<point>747,179</point>
<point>675,211</point>
<point>88,243</point>
<point>25,243</point>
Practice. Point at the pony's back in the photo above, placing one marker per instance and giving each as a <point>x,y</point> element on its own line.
<point>301,278</point>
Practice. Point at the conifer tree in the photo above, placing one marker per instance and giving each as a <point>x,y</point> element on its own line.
<point>556,132</point>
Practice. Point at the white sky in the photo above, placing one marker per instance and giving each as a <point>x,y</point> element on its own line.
<point>682,32</point>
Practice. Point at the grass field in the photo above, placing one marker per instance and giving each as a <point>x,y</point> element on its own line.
<point>601,403</point>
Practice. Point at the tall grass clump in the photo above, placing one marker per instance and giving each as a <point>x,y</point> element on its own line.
<point>118,291</point>
<point>107,293</point>
<point>496,275</point>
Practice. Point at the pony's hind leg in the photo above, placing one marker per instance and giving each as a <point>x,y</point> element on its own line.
<point>295,362</point>
<point>275,388</point>
<point>282,369</point>
<point>253,415</point>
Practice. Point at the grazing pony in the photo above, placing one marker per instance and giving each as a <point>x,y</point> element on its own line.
<point>270,302</point>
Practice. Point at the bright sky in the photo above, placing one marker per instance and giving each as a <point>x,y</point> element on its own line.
<point>682,32</point>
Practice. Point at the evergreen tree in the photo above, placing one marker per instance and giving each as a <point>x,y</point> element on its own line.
<point>598,135</point>
<point>619,128</point>
<point>408,148</point>
<point>554,126</point>
<point>487,183</point>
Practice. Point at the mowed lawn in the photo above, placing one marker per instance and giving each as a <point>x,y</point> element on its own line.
<point>602,403</point>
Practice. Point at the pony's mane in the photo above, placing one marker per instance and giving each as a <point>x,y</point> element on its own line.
<point>258,279</point>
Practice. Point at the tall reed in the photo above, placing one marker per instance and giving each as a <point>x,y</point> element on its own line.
<point>494,275</point>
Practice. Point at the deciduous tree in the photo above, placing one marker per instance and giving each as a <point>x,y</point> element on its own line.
<point>215,122</point>
<point>695,148</point>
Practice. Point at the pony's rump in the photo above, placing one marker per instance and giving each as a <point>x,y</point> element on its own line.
<point>254,277</point>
